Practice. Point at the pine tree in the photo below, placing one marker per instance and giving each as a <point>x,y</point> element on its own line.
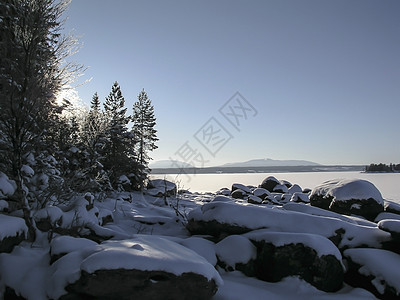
<point>144,131</point>
<point>116,160</point>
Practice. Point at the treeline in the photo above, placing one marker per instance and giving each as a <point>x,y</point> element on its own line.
<point>50,151</point>
<point>382,168</point>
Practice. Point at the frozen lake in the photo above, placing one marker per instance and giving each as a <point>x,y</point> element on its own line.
<point>387,183</point>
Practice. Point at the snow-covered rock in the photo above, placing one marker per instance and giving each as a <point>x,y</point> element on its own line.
<point>3,205</point>
<point>240,186</point>
<point>145,267</point>
<point>376,270</point>
<point>65,244</point>
<point>224,192</point>
<point>261,193</point>
<point>269,183</point>
<point>280,188</point>
<point>312,257</point>
<point>234,252</point>
<point>349,196</point>
<point>295,188</point>
<point>239,194</point>
<point>201,246</point>
<point>300,197</point>
<point>223,218</point>
<point>254,199</point>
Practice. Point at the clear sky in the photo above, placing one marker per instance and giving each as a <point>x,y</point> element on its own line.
<point>321,78</point>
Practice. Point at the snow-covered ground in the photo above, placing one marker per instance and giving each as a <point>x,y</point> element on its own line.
<point>146,233</point>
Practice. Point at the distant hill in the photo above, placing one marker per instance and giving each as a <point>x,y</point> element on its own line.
<point>267,162</point>
<point>169,164</point>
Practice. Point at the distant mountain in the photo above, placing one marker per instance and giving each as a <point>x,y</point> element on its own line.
<point>267,162</point>
<point>169,164</point>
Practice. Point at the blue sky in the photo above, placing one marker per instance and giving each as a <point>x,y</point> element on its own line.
<point>322,78</point>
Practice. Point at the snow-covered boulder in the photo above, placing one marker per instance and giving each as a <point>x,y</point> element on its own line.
<point>239,194</point>
<point>12,232</point>
<point>269,183</point>
<point>311,257</point>
<point>161,187</point>
<point>392,207</point>
<point>203,247</point>
<point>65,244</point>
<point>300,197</point>
<point>220,219</point>
<point>4,205</point>
<point>280,188</point>
<point>349,196</point>
<point>145,267</point>
<point>375,270</point>
<point>295,189</point>
<point>224,192</point>
<point>244,188</point>
<point>254,199</point>
<point>236,252</point>
<point>261,193</point>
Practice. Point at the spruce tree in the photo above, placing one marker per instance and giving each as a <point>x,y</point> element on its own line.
<point>116,156</point>
<point>144,131</point>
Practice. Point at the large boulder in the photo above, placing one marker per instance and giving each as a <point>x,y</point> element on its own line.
<point>244,188</point>
<point>311,257</point>
<point>269,183</point>
<point>236,252</point>
<point>375,270</point>
<point>12,232</point>
<point>349,197</point>
<point>145,267</point>
<point>220,219</point>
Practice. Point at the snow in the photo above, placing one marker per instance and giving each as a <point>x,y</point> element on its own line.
<point>67,244</point>
<point>260,192</point>
<point>295,188</point>
<point>258,217</point>
<point>52,212</point>
<point>312,210</point>
<point>235,249</point>
<point>3,205</point>
<point>346,189</point>
<point>149,253</point>
<point>390,225</point>
<point>320,244</point>
<point>382,264</point>
<point>11,226</point>
<point>26,271</point>
<point>222,198</point>
<point>386,215</point>
<point>238,287</point>
<point>201,246</point>
<point>7,186</point>
<point>27,171</point>
<point>299,196</point>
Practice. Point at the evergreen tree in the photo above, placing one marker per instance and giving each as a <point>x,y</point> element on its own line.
<point>32,52</point>
<point>116,156</point>
<point>144,131</point>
